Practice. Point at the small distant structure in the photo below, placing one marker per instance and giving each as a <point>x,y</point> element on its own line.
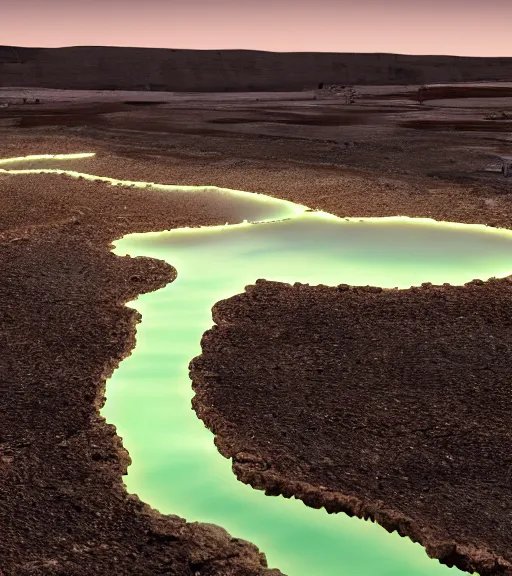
<point>26,101</point>
<point>348,93</point>
<point>499,116</point>
<point>506,166</point>
<point>421,95</point>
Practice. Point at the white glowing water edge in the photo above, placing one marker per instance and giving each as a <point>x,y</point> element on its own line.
<point>176,467</point>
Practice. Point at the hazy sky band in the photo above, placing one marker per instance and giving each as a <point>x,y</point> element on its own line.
<point>455,27</point>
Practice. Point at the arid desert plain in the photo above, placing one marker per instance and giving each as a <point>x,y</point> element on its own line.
<point>390,405</point>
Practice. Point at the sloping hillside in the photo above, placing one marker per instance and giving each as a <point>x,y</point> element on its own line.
<point>105,68</point>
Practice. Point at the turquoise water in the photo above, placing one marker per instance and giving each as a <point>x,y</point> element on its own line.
<point>176,467</point>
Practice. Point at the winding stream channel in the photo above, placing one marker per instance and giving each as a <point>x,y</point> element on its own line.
<point>176,467</point>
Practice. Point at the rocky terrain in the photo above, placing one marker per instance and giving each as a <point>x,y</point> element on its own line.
<point>64,510</point>
<point>64,327</point>
<point>391,405</point>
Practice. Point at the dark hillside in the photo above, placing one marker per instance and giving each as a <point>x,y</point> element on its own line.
<point>105,68</point>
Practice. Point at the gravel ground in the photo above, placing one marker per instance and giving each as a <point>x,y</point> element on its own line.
<point>62,294</point>
<point>310,397</point>
<point>64,510</point>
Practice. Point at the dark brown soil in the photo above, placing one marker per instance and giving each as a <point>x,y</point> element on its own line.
<point>466,125</point>
<point>63,509</point>
<point>301,119</point>
<point>60,120</point>
<point>446,92</point>
<point>44,114</point>
<point>393,405</point>
<point>63,329</point>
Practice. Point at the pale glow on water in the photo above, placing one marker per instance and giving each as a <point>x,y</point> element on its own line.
<point>256,207</point>
<point>176,467</point>
<point>36,157</point>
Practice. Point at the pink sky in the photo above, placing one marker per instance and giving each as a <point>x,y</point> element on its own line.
<point>457,27</point>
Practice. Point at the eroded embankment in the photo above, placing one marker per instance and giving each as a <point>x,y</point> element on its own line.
<point>111,543</point>
<point>392,405</point>
<point>64,328</point>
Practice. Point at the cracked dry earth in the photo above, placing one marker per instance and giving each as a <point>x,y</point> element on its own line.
<point>391,405</point>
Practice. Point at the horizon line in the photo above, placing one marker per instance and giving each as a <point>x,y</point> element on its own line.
<point>248,50</point>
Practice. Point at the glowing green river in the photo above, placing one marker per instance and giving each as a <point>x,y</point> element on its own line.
<point>176,467</point>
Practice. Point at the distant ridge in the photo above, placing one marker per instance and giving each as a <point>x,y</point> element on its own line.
<point>113,68</point>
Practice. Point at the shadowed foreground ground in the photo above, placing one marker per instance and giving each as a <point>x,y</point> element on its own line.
<point>392,405</point>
